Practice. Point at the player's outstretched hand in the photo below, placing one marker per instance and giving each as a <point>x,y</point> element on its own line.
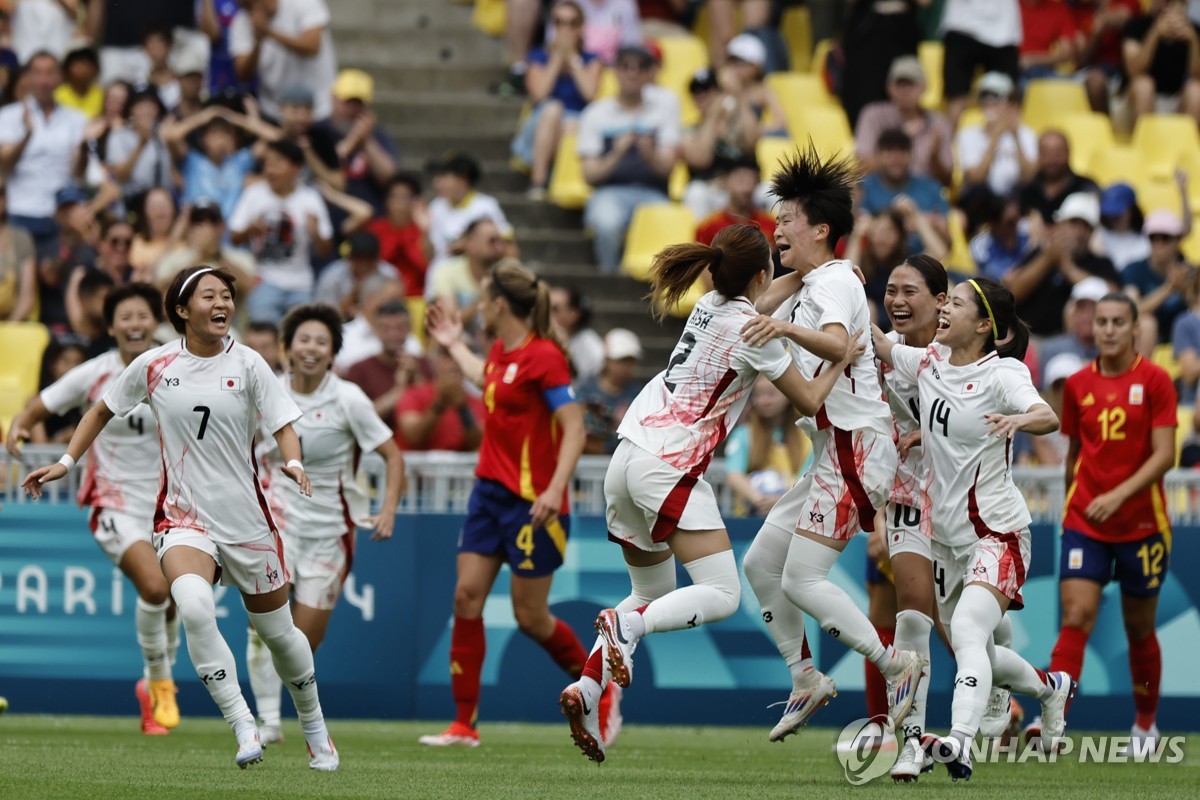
<point>1003,426</point>
<point>856,345</point>
<point>300,478</point>
<point>1103,506</point>
<point>446,328</point>
<point>763,329</point>
<point>381,525</point>
<point>34,480</point>
<point>16,435</point>
<point>547,505</point>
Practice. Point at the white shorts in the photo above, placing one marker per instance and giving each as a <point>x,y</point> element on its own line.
<point>999,560</point>
<point>319,568</point>
<point>904,532</point>
<point>647,500</point>
<point>116,530</point>
<point>255,567</point>
<point>851,476</point>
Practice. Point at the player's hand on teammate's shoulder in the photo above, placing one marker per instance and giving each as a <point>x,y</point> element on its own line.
<point>763,329</point>
<point>856,345</point>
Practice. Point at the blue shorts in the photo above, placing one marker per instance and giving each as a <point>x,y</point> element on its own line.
<point>1139,566</point>
<point>875,574</point>
<point>498,524</point>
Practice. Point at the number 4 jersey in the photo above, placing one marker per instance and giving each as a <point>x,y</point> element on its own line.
<point>207,411</point>
<point>686,411</point>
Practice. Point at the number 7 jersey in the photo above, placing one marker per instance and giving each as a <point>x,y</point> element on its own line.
<point>687,410</point>
<point>207,411</point>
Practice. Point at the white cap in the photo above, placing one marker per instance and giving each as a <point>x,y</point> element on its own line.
<point>622,343</point>
<point>1092,288</point>
<point>1061,367</point>
<point>1080,205</point>
<point>996,83</point>
<point>189,62</point>
<point>748,48</point>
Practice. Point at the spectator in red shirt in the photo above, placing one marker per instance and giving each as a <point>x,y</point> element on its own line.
<point>386,375</point>
<point>1049,39</point>
<point>403,233</point>
<point>1099,24</point>
<point>437,413</point>
<point>741,183</point>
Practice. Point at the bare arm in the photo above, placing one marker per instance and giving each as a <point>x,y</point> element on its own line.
<point>808,396</point>
<point>829,343</point>
<point>325,174</point>
<point>781,289</point>
<point>22,424</point>
<point>572,436</point>
<point>1025,279</point>
<point>10,154</point>
<point>175,134</point>
<point>1038,420</point>
<point>597,168</point>
<point>979,172</point>
<point>207,20</point>
<point>396,482</point>
<point>85,433</point>
<point>26,291</point>
<point>289,451</point>
<point>124,169</point>
<point>1140,55</point>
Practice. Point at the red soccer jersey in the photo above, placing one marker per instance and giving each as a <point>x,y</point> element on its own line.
<point>711,225</point>
<point>1112,417</point>
<point>1046,23</point>
<point>520,434</point>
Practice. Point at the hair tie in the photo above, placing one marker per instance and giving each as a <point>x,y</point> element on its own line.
<point>189,278</point>
<point>717,257</point>
<point>988,306</point>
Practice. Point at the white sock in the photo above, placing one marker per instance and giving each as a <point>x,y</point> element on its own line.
<point>763,566</point>
<point>912,633</point>
<point>713,596</point>
<point>647,584</point>
<point>975,617</point>
<point>265,684</point>
<point>151,623</point>
<point>1003,634</point>
<point>1013,672</point>
<point>210,654</point>
<point>172,637</point>
<point>293,661</point>
<point>806,583</point>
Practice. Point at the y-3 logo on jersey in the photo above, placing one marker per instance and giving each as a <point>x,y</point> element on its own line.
<point>170,382</point>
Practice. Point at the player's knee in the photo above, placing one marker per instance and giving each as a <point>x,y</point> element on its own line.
<point>966,632</point>
<point>913,626</point>
<point>1137,628</point>
<point>155,591</point>
<point>718,572</point>
<point>194,602</point>
<point>761,571</point>
<point>468,601</point>
<point>1076,614</point>
<point>533,621</point>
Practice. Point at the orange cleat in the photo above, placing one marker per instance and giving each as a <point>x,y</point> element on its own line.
<point>150,726</point>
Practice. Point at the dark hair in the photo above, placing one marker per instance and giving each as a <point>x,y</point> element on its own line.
<point>1121,297</point>
<point>323,313</point>
<point>119,295</point>
<point>138,220</point>
<point>474,224</point>
<point>152,29</point>
<point>737,254</point>
<point>93,282</point>
<point>392,308</point>
<point>581,304</point>
<point>110,221</point>
<point>263,326</point>
<point>823,189</point>
<point>178,296</point>
<point>54,350</point>
<point>931,271</point>
<point>408,179</point>
<point>1014,333</point>
<point>141,95</point>
<point>41,54</point>
<point>894,139</point>
<point>527,295</point>
<point>288,150</point>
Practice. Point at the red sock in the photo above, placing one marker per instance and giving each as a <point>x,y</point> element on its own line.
<point>876,684</point>
<point>806,653</point>
<point>564,647</point>
<point>467,648</point>
<point>594,666</point>
<point>1145,667</point>
<point>1067,655</point>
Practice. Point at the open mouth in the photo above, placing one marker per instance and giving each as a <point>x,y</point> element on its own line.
<point>220,319</point>
<point>943,324</point>
<point>309,363</point>
<point>901,316</point>
<point>135,336</point>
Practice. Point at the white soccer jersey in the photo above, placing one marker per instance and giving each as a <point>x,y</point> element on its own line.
<point>969,473</point>
<point>832,293</point>
<point>687,410</point>
<point>904,400</point>
<point>123,467</point>
<point>339,423</point>
<point>207,411</point>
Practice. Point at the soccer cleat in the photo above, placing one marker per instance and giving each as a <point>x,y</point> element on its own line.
<point>323,757</point>
<point>162,696</point>
<point>1054,709</point>
<point>618,646</point>
<point>802,704</point>
<point>1033,733</point>
<point>584,722</point>
<point>457,735</point>
<point>903,690</point>
<point>1143,743</point>
<point>270,733</point>
<point>610,714</point>
<point>957,761</point>
<point>150,726</point>
<point>997,715</point>
<point>250,749</point>
<point>913,760</point>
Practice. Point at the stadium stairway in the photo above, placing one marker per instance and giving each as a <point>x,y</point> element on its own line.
<point>432,72</point>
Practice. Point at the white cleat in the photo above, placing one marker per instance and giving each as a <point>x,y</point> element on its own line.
<point>1143,743</point>
<point>270,734</point>
<point>322,755</point>
<point>1054,710</point>
<point>250,749</point>
<point>912,761</point>
<point>801,705</point>
<point>998,714</point>
<point>903,690</point>
<point>584,721</point>
<point>457,735</point>
<point>618,645</point>
<point>611,720</point>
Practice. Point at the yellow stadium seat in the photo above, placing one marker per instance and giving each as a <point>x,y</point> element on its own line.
<point>682,56</point>
<point>678,181</point>
<point>1048,99</point>
<point>655,226</point>
<point>1153,195</point>
<point>490,16</point>
<point>567,188</point>
<point>1164,356</point>
<point>1190,164</point>
<point>796,27</point>
<point>820,54</point>
<point>770,152</point>
<point>688,301</point>
<point>932,55</point>
<point>1162,140</point>
<point>799,90</point>
<point>1088,132</point>
<point>608,84</point>
<point>1184,420</point>
<point>1191,245</point>
<point>827,126</point>
<point>22,345</point>
<point>970,117</point>
<point>959,259</point>
<point>416,312</point>
<point>1114,165</point>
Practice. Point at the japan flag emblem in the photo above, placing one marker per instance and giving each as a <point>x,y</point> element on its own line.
<point>970,387</point>
<point>231,384</point>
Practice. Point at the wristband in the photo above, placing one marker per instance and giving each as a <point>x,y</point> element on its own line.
<point>67,461</point>
<point>294,464</point>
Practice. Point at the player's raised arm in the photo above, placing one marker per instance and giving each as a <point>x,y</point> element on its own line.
<point>446,328</point>
<point>808,396</point>
<point>85,433</point>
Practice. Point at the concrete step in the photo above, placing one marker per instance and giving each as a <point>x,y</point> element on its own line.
<point>458,110</point>
<point>352,17</point>
<point>421,46</point>
<point>525,213</point>
<point>547,245</point>
<point>426,77</point>
<point>422,142</point>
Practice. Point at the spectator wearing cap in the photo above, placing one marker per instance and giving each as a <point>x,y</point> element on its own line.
<point>1048,40</point>
<point>561,78</point>
<point>1161,281</point>
<point>1079,337</point>
<point>439,413</point>
<point>726,134</point>
<point>893,186</point>
<point>741,183</point>
<point>367,154</point>
<point>875,35</point>
<point>403,232</point>
<point>1121,220</point>
<point>349,281</point>
<point>755,18</point>
<point>138,156</point>
<point>317,142</point>
<point>458,203</point>
<point>80,90</point>
<point>608,26</point>
<point>202,243</point>
<point>217,168</point>
<point>628,146</point>
<point>281,220</point>
<point>606,397</point>
<point>455,281</point>
<point>1162,61</point>
<point>283,43</point>
<point>571,313</point>
<point>39,151</point>
<point>978,34</point>
<point>1042,285</point>
<point>1004,241</point>
<point>742,75</point>
<point>1054,179</point>
<point>189,70</point>
<point>930,131</point>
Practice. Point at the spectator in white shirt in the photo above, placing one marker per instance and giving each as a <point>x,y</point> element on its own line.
<point>41,25</point>
<point>458,204</point>
<point>285,42</point>
<point>999,155</point>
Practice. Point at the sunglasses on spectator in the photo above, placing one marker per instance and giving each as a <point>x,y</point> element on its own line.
<point>1163,237</point>
<point>568,22</point>
<point>986,96</point>
<point>120,241</point>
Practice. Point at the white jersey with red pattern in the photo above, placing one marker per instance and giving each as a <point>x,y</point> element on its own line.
<point>833,294</point>
<point>339,423</point>
<point>687,410</point>
<point>905,402</point>
<point>207,411</point>
<point>122,471</point>
<point>969,473</point>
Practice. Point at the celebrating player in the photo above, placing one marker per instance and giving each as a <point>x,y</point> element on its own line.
<point>339,423</point>
<point>974,396</point>
<point>121,487</point>
<point>207,393</point>
<point>658,504</point>
<point>854,458</point>
<point>532,438</point>
<point>1119,413</point>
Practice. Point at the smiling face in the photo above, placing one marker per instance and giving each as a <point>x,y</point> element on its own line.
<point>801,246</point>
<point>132,326</point>
<point>210,309</point>
<point>311,350</point>
<point>960,325</point>
<point>908,302</point>
<point>1114,329</point>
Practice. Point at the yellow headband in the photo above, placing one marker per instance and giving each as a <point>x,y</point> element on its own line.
<point>988,306</point>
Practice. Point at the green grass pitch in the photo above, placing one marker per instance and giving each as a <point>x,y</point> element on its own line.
<point>98,758</point>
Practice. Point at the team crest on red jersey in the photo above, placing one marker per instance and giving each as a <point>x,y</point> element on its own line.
<point>510,374</point>
<point>231,384</point>
<point>1137,394</point>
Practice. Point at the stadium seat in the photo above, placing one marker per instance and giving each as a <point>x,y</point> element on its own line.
<point>798,91</point>
<point>770,151</point>
<point>655,226</point>
<point>682,56</point>
<point>417,306</point>
<point>1115,164</point>
<point>688,301</point>
<point>22,345</point>
<point>1183,417</point>
<point>932,55</point>
<point>490,16</point>
<point>567,188</point>
<point>1191,245</point>
<point>678,181</point>
<point>1088,132</point>
<point>827,126</point>
<point>959,259</point>
<point>820,54</point>
<point>1164,356</point>
<point>1154,194</point>
<point>796,27</point>
<point>1162,140</point>
<point>1048,99</point>
<point>608,84</point>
